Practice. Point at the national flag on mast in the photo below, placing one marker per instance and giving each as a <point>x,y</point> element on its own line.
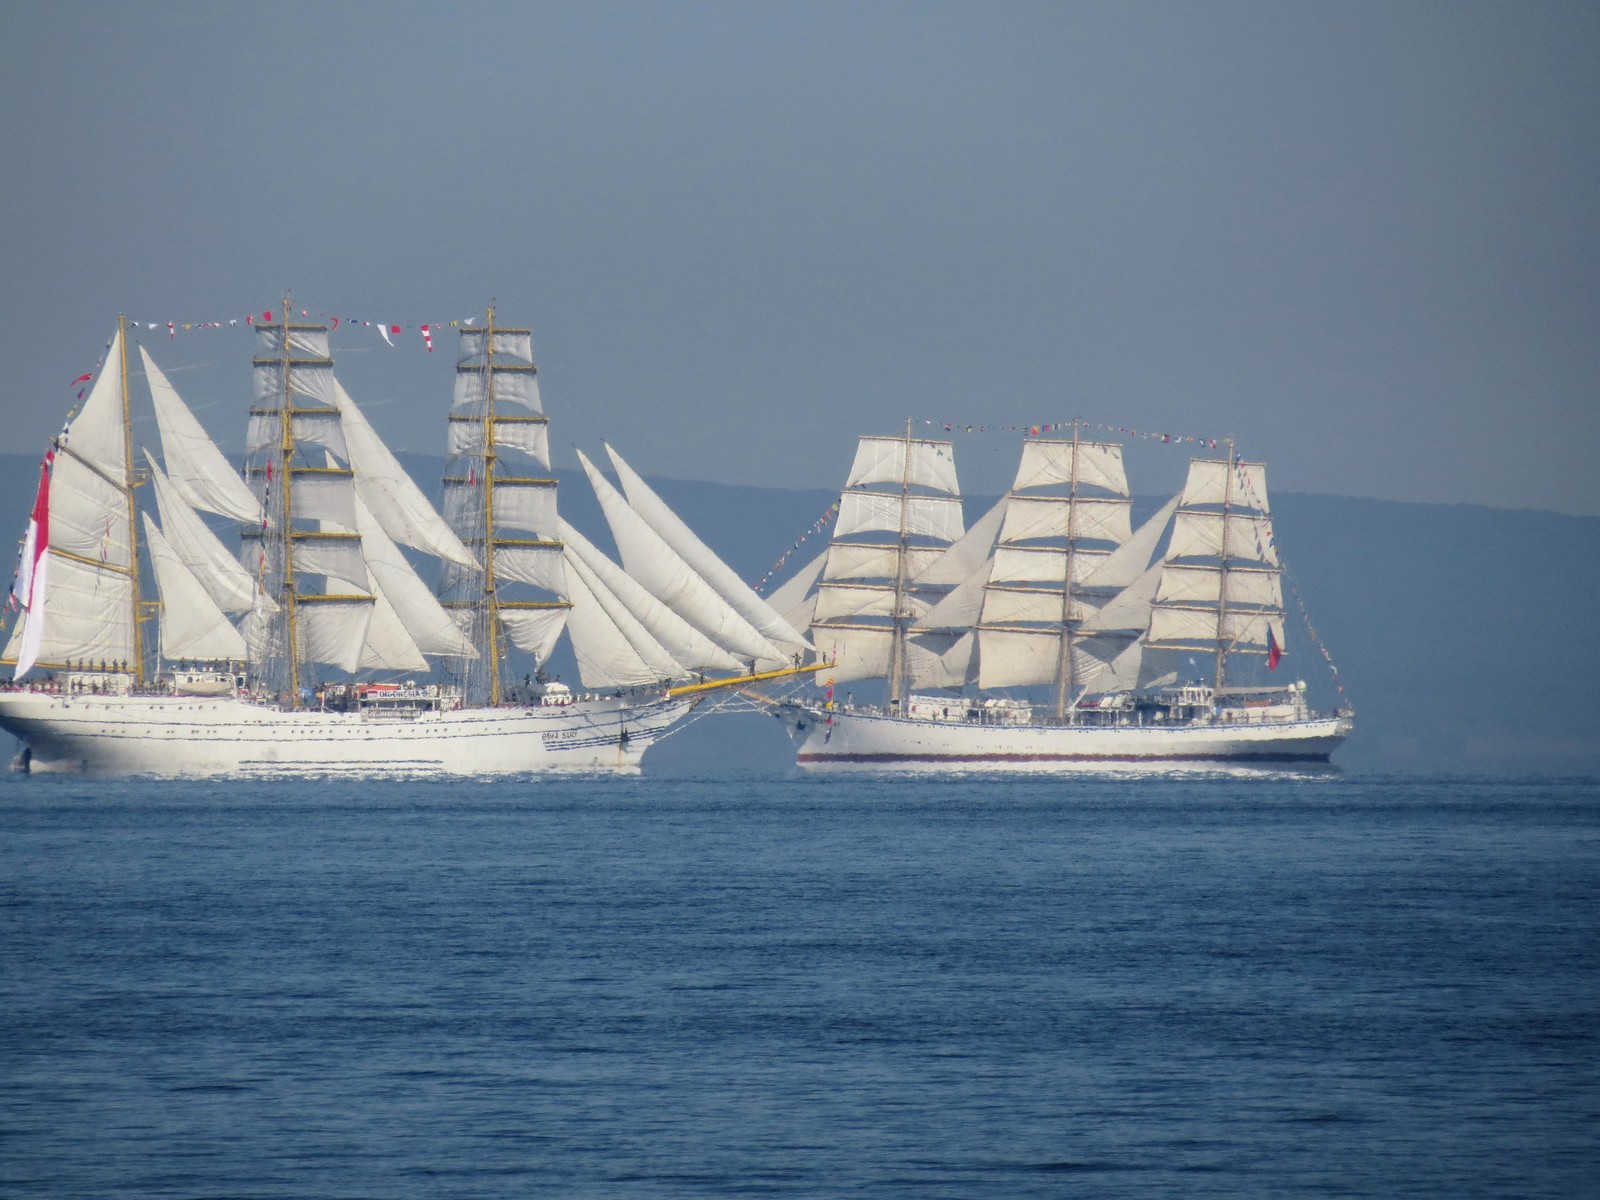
<point>1274,651</point>
<point>31,585</point>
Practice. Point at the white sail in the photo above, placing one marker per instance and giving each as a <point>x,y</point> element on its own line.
<point>963,557</point>
<point>88,514</point>
<point>192,626</point>
<point>656,565</point>
<point>226,582</point>
<point>1257,587</point>
<point>1131,559</point>
<point>855,652</point>
<point>682,641</point>
<point>333,629</point>
<point>87,617</point>
<point>1029,657</point>
<point>538,564</point>
<point>1047,463</point>
<point>1129,609</point>
<point>323,494</point>
<point>195,466</point>
<point>307,426</point>
<point>333,553</point>
<point>612,648</point>
<point>426,622</point>
<point>83,597</point>
<point>386,489</point>
<point>925,516</point>
<point>960,608</point>
<point>511,376</point>
<point>1011,604</point>
<point>528,435</point>
<point>920,463</point>
<point>1192,628</point>
<point>1101,518</point>
<point>863,560</point>
<point>1201,534</point>
<point>683,541</point>
<point>1035,563</point>
<point>387,645</point>
<point>534,630</point>
<point>525,504</point>
<point>307,369</point>
<point>1209,483</point>
<point>788,599</point>
<point>836,600</point>
<point>96,434</point>
<point>941,659</point>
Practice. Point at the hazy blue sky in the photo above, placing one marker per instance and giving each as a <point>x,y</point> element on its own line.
<point>1360,236</point>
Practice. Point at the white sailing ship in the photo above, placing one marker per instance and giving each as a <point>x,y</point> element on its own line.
<point>1052,635</point>
<point>318,648</point>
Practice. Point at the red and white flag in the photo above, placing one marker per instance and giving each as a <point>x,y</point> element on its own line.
<point>31,586</point>
<point>427,337</point>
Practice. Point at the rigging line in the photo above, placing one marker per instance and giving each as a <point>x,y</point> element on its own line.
<point>1038,428</point>
<point>817,526</point>
<point>1294,589</point>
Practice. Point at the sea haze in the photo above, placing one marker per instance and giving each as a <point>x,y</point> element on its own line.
<point>1224,986</point>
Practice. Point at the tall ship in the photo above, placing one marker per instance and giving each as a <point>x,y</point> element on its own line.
<point>317,647</point>
<point>1052,635</point>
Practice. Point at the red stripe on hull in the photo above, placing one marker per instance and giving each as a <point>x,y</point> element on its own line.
<point>1279,756</point>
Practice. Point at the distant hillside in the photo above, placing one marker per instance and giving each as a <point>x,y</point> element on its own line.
<point>1464,635</point>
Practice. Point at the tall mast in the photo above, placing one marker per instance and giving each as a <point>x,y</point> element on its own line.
<point>1222,573</point>
<point>491,602</point>
<point>133,516</point>
<point>897,639</point>
<point>285,523</point>
<point>1064,673</point>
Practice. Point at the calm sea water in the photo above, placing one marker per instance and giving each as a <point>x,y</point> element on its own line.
<point>975,987</point>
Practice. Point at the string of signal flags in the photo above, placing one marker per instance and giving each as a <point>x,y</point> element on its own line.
<point>1050,427</point>
<point>389,331</point>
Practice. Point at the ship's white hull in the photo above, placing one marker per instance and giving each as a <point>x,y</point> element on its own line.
<point>846,740</point>
<point>199,735</point>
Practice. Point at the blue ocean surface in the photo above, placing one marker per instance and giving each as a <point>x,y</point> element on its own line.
<point>1302,986</point>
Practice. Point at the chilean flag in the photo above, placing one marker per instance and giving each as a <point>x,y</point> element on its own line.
<point>1274,651</point>
<point>31,589</point>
